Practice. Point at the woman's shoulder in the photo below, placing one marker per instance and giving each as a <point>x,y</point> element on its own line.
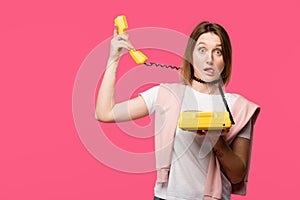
<point>239,101</point>
<point>245,107</point>
<point>240,98</point>
<point>172,87</point>
<point>231,95</point>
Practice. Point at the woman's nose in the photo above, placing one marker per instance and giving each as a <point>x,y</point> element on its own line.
<point>209,58</point>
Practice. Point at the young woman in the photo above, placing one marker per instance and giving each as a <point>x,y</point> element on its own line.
<point>191,170</point>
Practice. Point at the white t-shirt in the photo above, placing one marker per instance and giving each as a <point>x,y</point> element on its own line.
<point>191,152</point>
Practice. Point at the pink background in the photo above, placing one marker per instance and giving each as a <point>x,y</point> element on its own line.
<point>42,47</point>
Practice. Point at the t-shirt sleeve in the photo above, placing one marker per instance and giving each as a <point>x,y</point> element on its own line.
<point>247,130</point>
<point>149,97</point>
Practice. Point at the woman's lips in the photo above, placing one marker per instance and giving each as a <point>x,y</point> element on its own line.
<point>209,71</point>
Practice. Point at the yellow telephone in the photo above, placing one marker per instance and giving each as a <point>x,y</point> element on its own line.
<point>122,25</point>
<point>204,120</point>
<point>192,120</point>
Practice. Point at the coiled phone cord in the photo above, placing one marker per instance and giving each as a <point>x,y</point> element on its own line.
<point>161,65</point>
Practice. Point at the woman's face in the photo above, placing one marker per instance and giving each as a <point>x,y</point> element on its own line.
<point>207,57</point>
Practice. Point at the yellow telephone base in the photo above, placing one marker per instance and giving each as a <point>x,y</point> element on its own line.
<point>204,121</point>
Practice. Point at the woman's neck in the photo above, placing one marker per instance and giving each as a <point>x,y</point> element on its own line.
<point>205,88</point>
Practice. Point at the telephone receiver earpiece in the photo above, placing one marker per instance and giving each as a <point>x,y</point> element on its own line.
<point>122,25</point>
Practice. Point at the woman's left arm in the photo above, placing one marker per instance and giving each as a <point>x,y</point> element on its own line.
<point>233,158</point>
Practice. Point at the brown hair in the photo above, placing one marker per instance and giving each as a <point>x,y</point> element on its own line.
<point>205,27</point>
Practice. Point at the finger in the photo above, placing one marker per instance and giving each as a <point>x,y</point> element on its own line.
<point>115,30</point>
<point>125,44</point>
<point>224,132</point>
<point>201,132</point>
<point>130,45</point>
<point>122,36</point>
<point>119,39</point>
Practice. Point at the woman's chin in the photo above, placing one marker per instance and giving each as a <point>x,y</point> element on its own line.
<point>210,78</point>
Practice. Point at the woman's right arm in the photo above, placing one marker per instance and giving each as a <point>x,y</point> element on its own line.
<point>106,109</point>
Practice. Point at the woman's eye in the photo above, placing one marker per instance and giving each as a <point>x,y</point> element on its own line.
<point>202,50</point>
<point>218,52</point>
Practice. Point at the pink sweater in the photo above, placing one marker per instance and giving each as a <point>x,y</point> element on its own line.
<point>168,105</point>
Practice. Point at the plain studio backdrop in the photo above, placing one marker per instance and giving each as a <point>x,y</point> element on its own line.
<point>43,46</point>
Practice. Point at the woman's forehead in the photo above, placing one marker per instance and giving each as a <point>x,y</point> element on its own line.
<point>209,37</point>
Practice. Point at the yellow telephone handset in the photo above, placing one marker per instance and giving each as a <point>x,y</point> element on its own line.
<point>122,25</point>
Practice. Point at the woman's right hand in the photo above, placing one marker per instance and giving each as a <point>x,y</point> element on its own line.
<point>118,42</point>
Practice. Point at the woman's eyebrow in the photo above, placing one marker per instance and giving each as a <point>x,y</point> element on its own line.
<point>201,43</point>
